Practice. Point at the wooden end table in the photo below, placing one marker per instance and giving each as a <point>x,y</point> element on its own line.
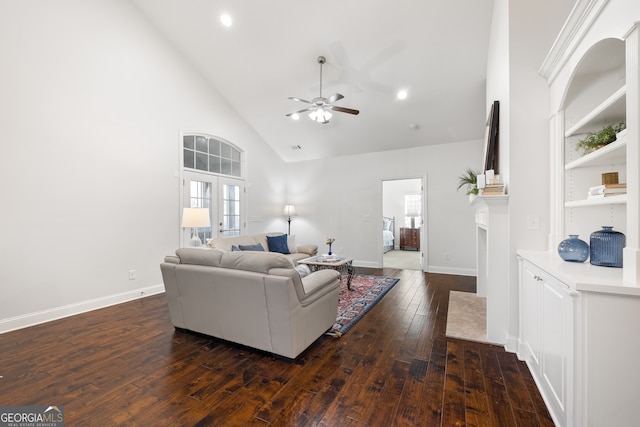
<point>322,262</point>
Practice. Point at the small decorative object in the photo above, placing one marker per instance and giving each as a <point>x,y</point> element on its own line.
<point>610,178</point>
<point>595,140</point>
<point>470,179</point>
<point>606,247</point>
<point>330,241</point>
<point>573,249</point>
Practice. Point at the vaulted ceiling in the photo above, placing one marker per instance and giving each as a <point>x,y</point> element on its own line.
<point>436,50</point>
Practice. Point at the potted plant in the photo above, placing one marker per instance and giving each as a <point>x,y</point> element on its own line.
<point>595,140</point>
<point>470,179</point>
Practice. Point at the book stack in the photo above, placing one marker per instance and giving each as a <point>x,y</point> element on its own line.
<point>606,190</point>
<point>493,190</point>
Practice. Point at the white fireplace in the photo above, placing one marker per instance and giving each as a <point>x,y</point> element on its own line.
<point>492,243</point>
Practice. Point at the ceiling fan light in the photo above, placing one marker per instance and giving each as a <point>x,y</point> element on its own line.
<point>327,115</point>
<point>313,115</point>
<point>295,116</point>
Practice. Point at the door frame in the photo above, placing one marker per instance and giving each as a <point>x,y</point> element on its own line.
<point>423,224</point>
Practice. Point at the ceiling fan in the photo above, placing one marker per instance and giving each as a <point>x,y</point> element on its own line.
<point>320,109</point>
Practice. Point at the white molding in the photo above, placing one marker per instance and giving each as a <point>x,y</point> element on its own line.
<point>581,18</point>
<point>36,318</point>
<point>438,269</point>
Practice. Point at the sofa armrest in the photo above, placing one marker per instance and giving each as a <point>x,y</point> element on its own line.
<point>318,284</point>
<point>312,250</point>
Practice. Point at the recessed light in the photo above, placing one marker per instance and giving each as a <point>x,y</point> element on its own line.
<point>226,20</point>
<point>402,94</point>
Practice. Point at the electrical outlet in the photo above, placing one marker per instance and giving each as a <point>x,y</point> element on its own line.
<point>446,256</point>
<point>132,275</point>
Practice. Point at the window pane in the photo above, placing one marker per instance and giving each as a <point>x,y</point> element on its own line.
<point>235,154</point>
<point>189,159</point>
<point>201,161</point>
<point>226,151</point>
<point>225,166</point>
<point>201,144</point>
<point>214,147</point>
<point>235,169</point>
<point>188,141</point>
<point>214,164</point>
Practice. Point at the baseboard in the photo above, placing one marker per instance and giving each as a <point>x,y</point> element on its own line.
<point>451,270</point>
<point>513,345</point>
<point>367,264</point>
<point>32,319</point>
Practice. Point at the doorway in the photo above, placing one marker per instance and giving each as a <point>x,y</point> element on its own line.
<point>403,205</point>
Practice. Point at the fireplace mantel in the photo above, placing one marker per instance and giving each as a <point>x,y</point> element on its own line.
<point>492,252</point>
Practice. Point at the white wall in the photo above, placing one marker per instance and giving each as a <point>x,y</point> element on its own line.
<point>93,102</point>
<point>515,55</point>
<point>342,198</point>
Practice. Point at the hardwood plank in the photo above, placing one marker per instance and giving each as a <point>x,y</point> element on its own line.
<point>454,401</point>
<point>477,411</point>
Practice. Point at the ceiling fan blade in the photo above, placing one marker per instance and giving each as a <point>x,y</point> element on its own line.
<point>335,97</point>
<point>299,112</point>
<point>299,99</point>
<point>345,110</point>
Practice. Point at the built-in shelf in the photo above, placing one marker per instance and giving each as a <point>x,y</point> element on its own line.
<point>611,200</point>
<point>612,154</point>
<point>608,112</point>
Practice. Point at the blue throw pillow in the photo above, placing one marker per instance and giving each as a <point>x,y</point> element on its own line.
<point>257,247</point>
<point>278,244</point>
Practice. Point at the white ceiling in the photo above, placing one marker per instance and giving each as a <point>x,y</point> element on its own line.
<point>435,49</point>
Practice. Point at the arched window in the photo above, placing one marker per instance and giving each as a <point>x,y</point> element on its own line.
<point>210,154</point>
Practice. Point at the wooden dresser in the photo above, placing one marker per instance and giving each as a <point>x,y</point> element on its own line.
<point>409,238</point>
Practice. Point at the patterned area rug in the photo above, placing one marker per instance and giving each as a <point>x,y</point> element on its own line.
<point>365,292</point>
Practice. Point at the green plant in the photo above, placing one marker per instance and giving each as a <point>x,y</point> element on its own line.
<point>470,179</point>
<point>595,140</point>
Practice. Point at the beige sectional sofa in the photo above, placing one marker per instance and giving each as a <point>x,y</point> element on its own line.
<point>257,299</point>
<point>298,252</point>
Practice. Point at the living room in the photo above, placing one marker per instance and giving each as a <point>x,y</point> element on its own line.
<point>92,118</point>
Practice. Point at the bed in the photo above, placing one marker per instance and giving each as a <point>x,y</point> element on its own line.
<point>388,227</point>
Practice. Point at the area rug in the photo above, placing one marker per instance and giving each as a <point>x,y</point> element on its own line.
<point>365,292</point>
<point>467,317</point>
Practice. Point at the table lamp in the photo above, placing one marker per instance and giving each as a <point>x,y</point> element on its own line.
<point>194,218</point>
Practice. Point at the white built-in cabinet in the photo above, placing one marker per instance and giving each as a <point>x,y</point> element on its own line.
<point>580,340</point>
<point>580,323</point>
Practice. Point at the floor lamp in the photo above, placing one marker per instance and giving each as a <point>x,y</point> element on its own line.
<point>195,218</point>
<point>289,211</point>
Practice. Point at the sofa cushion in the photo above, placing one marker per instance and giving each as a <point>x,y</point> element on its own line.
<point>291,243</point>
<point>200,256</point>
<point>258,262</point>
<point>256,247</point>
<point>278,244</point>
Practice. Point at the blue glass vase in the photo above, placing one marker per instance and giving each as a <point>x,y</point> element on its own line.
<point>606,247</point>
<point>573,249</point>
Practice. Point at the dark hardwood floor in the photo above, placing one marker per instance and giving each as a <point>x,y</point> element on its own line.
<point>127,365</point>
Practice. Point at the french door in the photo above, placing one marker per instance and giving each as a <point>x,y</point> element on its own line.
<point>223,196</point>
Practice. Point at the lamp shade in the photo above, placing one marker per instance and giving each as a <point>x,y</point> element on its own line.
<point>413,213</point>
<point>289,210</point>
<point>195,217</point>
